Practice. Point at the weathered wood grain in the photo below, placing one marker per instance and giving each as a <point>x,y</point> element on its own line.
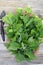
<point>11,5</point>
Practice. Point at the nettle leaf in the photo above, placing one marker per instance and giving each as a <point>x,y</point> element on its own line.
<point>19,57</point>
<point>29,54</point>
<point>41,30</point>
<point>33,43</point>
<point>25,19</point>
<point>23,46</point>
<point>24,32</point>
<point>19,10</point>
<point>38,22</point>
<point>28,10</point>
<point>17,27</point>
<point>14,46</point>
<point>29,22</point>
<point>9,18</point>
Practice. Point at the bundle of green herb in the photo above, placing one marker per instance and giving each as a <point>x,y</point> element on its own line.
<point>24,30</point>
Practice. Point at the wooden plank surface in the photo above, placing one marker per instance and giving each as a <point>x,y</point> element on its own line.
<point>6,58</point>
<point>11,5</point>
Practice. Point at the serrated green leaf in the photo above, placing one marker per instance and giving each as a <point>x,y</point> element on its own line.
<point>23,46</point>
<point>19,57</point>
<point>9,19</point>
<point>30,54</point>
<point>28,9</point>
<point>14,46</point>
<point>25,19</point>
